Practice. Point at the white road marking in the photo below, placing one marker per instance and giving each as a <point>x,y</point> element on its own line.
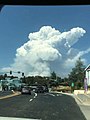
<point>33,97</point>
<point>53,94</point>
<point>59,94</point>
<point>31,100</point>
<point>50,94</point>
<point>14,118</point>
<point>35,94</point>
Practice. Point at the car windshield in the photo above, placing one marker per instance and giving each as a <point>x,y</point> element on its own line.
<point>46,48</point>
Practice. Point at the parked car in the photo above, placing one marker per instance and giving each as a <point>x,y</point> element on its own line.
<point>26,90</point>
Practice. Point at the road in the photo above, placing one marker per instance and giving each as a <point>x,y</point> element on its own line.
<point>4,93</point>
<point>44,106</point>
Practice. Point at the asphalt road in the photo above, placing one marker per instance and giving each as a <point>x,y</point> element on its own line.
<point>44,106</point>
<point>4,93</point>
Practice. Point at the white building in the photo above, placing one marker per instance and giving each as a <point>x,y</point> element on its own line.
<point>87,74</point>
<point>0,86</point>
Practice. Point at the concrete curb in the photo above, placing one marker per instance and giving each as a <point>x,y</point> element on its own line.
<point>82,102</point>
<point>70,94</point>
<point>11,95</point>
<point>13,118</point>
<point>78,99</point>
<point>87,95</point>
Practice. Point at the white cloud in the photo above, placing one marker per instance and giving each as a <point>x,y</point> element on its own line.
<point>70,62</point>
<point>48,50</point>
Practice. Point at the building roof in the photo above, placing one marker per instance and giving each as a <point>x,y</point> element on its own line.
<point>87,68</point>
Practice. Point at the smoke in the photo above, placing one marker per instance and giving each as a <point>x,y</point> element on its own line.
<point>48,50</point>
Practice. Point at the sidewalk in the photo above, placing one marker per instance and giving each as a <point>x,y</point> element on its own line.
<point>83,100</point>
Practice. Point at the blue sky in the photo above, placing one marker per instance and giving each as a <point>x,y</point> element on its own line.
<point>16,22</point>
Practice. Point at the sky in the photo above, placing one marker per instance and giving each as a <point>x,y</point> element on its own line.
<point>38,40</point>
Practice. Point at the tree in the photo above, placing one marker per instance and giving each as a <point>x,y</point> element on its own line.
<point>77,74</point>
<point>1,77</point>
<point>10,72</point>
<point>53,75</point>
<point>5,75</point>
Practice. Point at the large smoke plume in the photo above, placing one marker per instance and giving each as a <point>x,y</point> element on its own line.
<point>49,50</point>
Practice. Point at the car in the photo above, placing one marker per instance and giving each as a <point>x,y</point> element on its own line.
<point>33,87</point>
<point>45,89</point>
<point>26,90</point>
<point>39,89</point>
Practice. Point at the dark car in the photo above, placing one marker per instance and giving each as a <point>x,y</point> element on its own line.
<point>39,89</point>
<point>26,90</point>
<point>45,89</point>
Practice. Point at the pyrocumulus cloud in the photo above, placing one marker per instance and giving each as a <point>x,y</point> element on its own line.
<point>48,50</point>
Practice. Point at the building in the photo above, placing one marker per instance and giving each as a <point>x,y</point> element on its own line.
<point>87,74</point>
<point>0,86</point>
<point>9,84</point>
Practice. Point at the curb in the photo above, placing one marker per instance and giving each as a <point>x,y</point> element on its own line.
<point>15,118</point>
<point>82,102</point>
<point>12,95</point>
<point>78,99</point>
<point>70,94</point>
<point>87,95</point>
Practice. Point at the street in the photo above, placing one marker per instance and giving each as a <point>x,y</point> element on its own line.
<point>44,106</point>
